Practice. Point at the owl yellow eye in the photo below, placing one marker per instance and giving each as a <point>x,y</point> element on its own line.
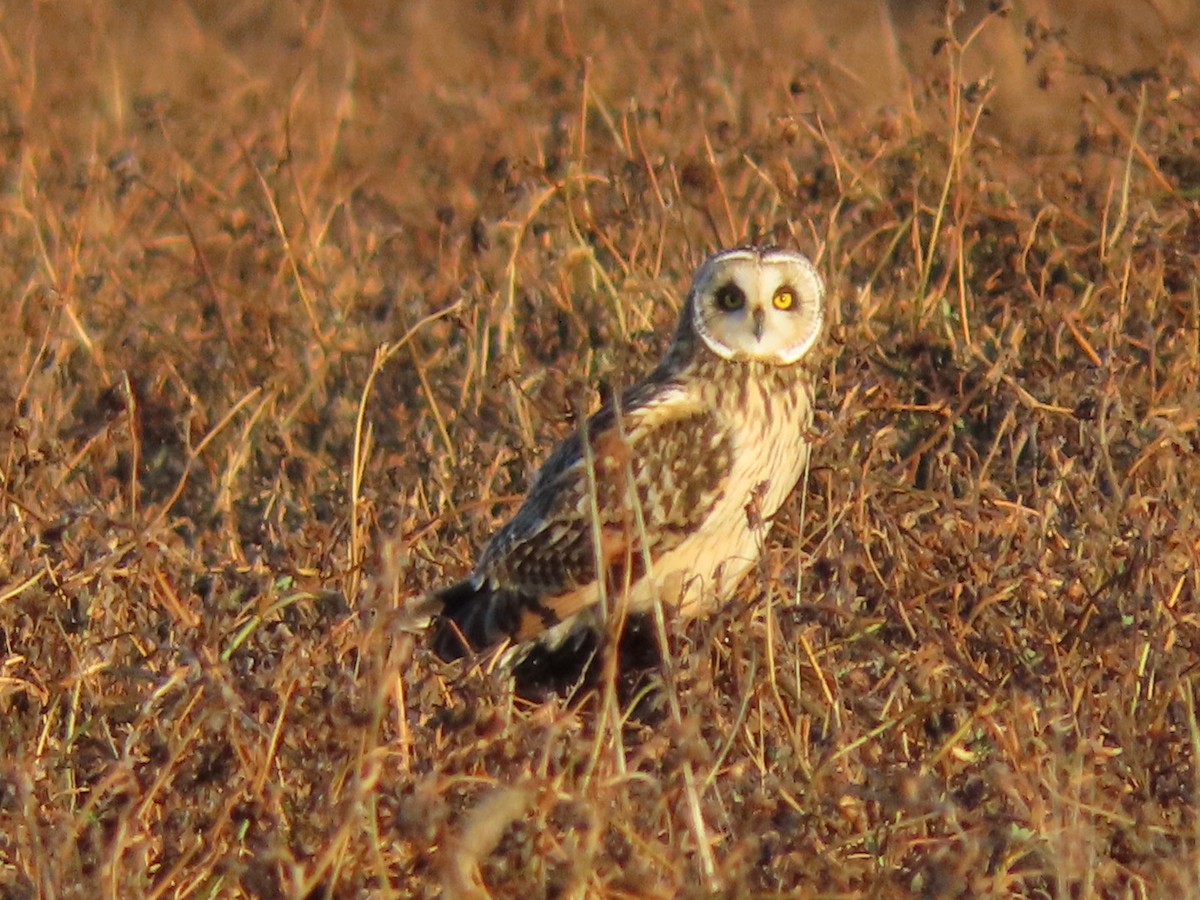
<point>785,298</point>
<point>730,297</point>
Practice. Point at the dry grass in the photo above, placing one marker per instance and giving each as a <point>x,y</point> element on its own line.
<point>214,218</point>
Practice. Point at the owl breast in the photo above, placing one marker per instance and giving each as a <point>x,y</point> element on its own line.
<point>767,411</point>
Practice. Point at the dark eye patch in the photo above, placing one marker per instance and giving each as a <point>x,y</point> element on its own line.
<point>729,297</point>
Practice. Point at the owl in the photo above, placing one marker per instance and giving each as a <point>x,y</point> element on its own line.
<point>667,493</point>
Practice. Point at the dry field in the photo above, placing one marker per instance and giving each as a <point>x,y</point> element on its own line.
<point>296,295</point>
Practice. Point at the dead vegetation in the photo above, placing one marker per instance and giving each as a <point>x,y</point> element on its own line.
<point>229,228</point>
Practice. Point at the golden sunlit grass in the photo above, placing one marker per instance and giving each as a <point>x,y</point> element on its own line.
<point>298,296</point>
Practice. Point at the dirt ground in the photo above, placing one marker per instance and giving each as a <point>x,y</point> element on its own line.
<point>298,296</point>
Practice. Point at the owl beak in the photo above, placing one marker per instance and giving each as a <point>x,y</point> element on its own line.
<point>759,315</point>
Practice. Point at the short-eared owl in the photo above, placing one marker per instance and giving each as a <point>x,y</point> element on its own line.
<point>668,493</point>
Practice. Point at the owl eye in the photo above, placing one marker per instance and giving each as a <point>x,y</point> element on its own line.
<point>730,297</point>
<point>785,298</point>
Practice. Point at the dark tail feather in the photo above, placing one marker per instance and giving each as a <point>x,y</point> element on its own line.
<point>473,617</point>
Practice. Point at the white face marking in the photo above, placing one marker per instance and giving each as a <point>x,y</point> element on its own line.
<point>758,304</point>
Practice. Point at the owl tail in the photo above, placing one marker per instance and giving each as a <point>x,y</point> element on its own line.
<point>473,616</point>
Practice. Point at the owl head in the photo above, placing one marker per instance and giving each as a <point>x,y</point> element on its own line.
<point>757,303</point>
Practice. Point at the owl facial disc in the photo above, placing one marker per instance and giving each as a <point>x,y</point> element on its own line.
<point>758,304</point>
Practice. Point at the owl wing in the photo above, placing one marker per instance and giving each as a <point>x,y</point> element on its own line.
<point>663,457</point>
